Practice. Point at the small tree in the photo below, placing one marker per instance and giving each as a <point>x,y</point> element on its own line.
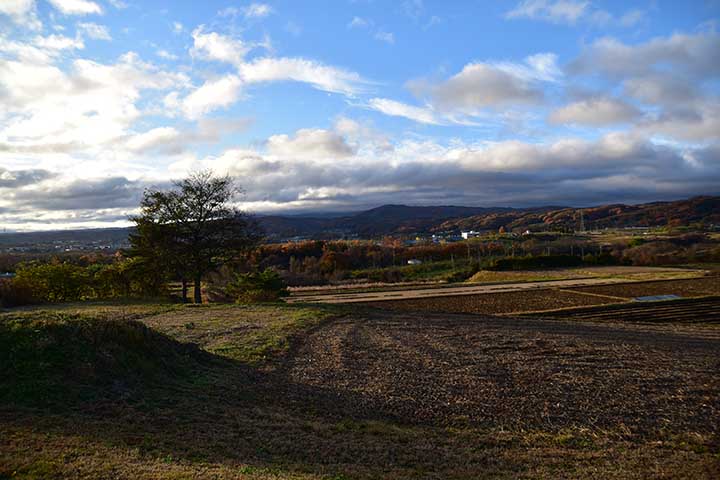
<point>265,286</point>
<point>193,228</point>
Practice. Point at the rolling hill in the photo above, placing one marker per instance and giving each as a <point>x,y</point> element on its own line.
<point>411,220</point>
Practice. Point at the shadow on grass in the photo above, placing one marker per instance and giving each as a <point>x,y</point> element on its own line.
<point>120,386</point>
<point>124,386</point>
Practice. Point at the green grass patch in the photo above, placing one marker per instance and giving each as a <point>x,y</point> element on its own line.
<point>59,358</point>
<point>247,333</point>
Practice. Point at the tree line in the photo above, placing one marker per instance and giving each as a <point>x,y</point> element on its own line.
<point>181,234</point>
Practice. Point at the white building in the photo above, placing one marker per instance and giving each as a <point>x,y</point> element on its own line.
<point>470,234</point>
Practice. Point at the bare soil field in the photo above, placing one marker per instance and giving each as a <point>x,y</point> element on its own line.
<point>694,287</point>
<point>564,295</point>
<point>519,374</point>
<point>705,310</point>
<point>505,282</point>
<point>287,392</point>
<point>496,303</point>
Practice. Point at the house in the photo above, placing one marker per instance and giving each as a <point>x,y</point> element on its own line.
<point>470,234</point>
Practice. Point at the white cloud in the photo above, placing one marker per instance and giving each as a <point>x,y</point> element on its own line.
<point>558,11</point>
<point>21,12</point>
<point>58,42</point>
<point>221,48</point>
<point>76,7</point>
<point>152,139</point>
<point>212,46</point>
<point>481,85</point>
<point>673,78</point>
<point>596,112</point>
<point>696,123</point>
<point>538,67</point>
<point>386,37</point>
<point>88,105</point>
<point>94,31</point>
<point>359,22</point>
<point>317,144</point>
<point>322,77</point>
<point>399,109</point>
<point>17,8</point>
<point>695,54</point>
<point>571,12</point>
<point>366,23</point>
<point>224,91</point>
<point>162,53</point>
<point>316,169</point>
<point>631,18</point>
<point>213,94</point>
<point>257,10</point>
<point>178,27</point>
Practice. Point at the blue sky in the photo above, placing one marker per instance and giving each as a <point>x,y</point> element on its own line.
<point>350,104</point>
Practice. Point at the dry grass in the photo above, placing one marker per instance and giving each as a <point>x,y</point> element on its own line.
<point>628,273</point>
<point>293,392</point>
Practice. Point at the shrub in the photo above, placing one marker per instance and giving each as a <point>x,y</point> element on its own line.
<point>54,282</point>
<point>265,286</point>
<point>65,282</point>
<point>636,242</point>
<point>15,294</point>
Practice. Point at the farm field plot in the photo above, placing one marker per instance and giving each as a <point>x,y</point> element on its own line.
<point>705,310</point>
<point>340,393</point>
<point>496,303</point>
<point>623,272</point>
<point>495,282</point>
<point>694,287</point>
<point>565,295</point>
<point>519,373</point>
<point>365,394</point>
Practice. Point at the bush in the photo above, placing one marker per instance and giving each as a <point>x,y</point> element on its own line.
<point>265,286</point>
<point>16,294</point>
<point>66,282</point>
<point>54,282</point>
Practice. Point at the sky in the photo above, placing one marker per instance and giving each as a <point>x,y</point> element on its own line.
<point>320,106</point>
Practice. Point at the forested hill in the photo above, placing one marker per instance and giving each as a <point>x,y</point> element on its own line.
<point>403,219</point>
<point>705,210</point>
<point>406,220</point>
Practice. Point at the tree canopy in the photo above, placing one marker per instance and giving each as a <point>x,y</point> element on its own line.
<point>192,228</point>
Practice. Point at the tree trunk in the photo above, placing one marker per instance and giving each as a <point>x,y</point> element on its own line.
<point>198,293</point>
<point>184,290</point>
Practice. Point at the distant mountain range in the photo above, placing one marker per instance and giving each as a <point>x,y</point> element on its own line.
<point>409,220</point>
<point>704,210</point>
<point>403,219</point>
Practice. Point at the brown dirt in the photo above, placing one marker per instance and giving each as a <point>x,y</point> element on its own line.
<point>397,395</point>
<point>496,303</point>
<point>518,373</point>
<point>702,310</point>
<point>693,287</point>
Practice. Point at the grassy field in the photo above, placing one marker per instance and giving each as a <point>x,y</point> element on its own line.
<point>317,392</point>
<point>627,273</point>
